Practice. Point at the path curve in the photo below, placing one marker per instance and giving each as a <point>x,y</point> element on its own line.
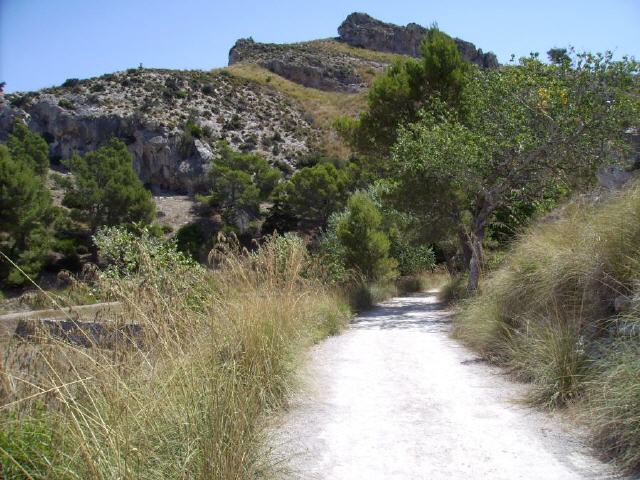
<point>395,398</point>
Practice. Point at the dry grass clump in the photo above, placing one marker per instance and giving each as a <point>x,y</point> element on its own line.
<point>187,396</point>
<point>562,313</point>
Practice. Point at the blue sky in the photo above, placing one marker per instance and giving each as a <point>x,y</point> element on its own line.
<point>44,42</point>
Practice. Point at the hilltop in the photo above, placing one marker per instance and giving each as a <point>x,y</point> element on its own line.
<point>276,99</point>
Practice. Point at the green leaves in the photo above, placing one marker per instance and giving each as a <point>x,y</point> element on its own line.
<point>106,190</point>
<point>26,210</point>
<point>313,193</point>
<point>240,181</point>
<point>366,246</point>
<point>29,148</point>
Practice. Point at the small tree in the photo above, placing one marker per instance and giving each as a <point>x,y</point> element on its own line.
<point>240,181</point>
<point>105,189</point>
<point>312,194</point>
<point>525,130</point>
<point>26,216</point>
<point>29,148</point>
<point>366,246</point>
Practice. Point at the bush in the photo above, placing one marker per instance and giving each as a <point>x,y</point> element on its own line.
<point>366,246</point>
<point>71,82</point>
<point>413,259</point>
<point>66,103</point>
<point>192,241</point>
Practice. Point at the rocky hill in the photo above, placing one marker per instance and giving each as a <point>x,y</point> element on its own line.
<point>278,100</point>
<point>362,30</point>
<point>171,120</point>
<point>322,64</point>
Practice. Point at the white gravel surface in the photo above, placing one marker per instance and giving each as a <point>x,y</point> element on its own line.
<point>395,398</point>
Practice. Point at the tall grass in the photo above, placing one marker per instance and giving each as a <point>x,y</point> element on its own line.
<point>561,312</point>
<point>187,398</point>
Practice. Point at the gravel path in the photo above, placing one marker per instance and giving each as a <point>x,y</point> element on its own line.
<point>395,398</point>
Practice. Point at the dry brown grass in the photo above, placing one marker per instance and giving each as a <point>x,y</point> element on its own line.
<point>186,398</point>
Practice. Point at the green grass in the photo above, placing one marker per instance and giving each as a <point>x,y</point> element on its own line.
<point>548,313</point>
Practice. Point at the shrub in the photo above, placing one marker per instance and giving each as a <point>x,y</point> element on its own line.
<point>66,103</point>
<point>366,246</point>
<point>191,240</point>
<point>71,82</point>
<point>413,259</point>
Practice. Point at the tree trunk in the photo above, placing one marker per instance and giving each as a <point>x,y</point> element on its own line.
<point>465,246</point>
<point>477,238</point>
<point>476,260</point>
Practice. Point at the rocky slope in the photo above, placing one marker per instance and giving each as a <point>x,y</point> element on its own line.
<point>322,64</point>
<point>278,100</point>
<point>171,121</point>
<point>362,30</point>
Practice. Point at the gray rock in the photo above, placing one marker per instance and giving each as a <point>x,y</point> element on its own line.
<point>612,177</point>
<point>143,109</point>
<point>311,64</point>
<point>362,30</point>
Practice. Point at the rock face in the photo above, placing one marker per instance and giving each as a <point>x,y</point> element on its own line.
<point>170,120</point>
<point>362,30</point>
<point>315,64</point>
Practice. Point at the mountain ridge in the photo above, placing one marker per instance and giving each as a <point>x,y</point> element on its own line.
<point>278,100</point>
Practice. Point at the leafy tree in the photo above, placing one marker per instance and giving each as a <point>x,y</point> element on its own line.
<point>366,246</point>
<point>240,181</point>
<point>26,213</point>
<point>525,129</point>
<point>105,189</point>
<point>312,194</point>
<point>29,148</point>
<point>396,97</point>
<point>558,56</point>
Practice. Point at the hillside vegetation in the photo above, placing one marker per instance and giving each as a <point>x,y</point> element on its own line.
<point>564,314</point>
<point>322,107</point>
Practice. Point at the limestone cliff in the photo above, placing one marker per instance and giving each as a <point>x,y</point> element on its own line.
<point>362,30</point>
<point>171,121</point>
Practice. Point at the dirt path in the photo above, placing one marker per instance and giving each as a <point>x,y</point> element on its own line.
<point>395,398</point>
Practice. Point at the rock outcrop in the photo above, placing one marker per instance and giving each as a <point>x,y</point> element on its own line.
<point>315,64</point>
<point>170,120</point>
<point>362,30</point>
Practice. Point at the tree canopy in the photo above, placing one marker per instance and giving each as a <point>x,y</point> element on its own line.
<point>26,210</point>
<point>105,189</point>
<point>240,181</point>
<point>312,194</point>
<point>517,132</point>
